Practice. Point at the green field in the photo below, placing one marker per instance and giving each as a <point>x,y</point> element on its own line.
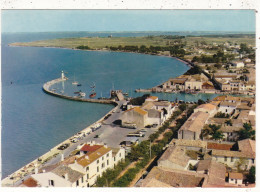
<point>102,42</point>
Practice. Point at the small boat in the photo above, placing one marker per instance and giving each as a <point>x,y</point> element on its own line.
<point>125,94</point>
<point>74,82</point>
<point>78,85</point>
<point>82,94</point>
<point>93,86</point>
<point>77,92</point>
<point>92,95</point>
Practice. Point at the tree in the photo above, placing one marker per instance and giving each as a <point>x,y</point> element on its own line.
<point>213,131</point>
<point>221,115</point>
<point>246,132</point>
<point>251,175</point>
<point>183,107</point>
<point>206,131</point>
<point>200,102</point>
<point>240,163</point>
<point>228,122</point>
<point>218,66</point>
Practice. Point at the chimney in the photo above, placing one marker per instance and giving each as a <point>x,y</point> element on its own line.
<point>75,160</point>
<point>86,157</point>
<point>36,169</point>
<point>105,145</point>
<point>43,170</point>
<point>82,153</point>
<point>62,157</point>
<point>66,176</point>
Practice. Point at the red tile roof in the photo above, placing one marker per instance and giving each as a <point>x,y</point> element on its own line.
<point>90,148</point>
<point>234,175</point>
<point>219,146</point>
<point>30,182</point>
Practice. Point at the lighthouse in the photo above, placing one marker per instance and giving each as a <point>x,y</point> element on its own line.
<point>63,76</point>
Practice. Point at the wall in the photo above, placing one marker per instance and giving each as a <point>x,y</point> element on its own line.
<point>134,118</point>
<point>226,109</point>
<point>233,163</point>
<point>184,134</point>
<point>233,181</point>
<point>192,85</point>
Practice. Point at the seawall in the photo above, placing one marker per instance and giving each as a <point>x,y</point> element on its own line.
<point>46,89</point>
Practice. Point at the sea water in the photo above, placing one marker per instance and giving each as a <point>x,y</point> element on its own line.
<point>33,122</point>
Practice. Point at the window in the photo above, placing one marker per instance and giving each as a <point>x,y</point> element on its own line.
<point>82,180</point>
<point>103,165</point>
<point>114,158</point>
<point>87,176</point>
<point>225,158</point>
<point>51,182</point>
<point>107,162</point>
<point>77,183</point>
<point>232,159</point>
<point>87,169</point>
<point>103,158</point>
<point>97,161</point>
<point>119,154</point>
<point>253,161</point>
<point>108,155</point>
<point>97,169</point>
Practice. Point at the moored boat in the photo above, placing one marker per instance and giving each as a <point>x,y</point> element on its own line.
<point>92,95</point>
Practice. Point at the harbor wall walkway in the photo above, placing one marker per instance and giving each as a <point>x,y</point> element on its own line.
<point>46,89</point>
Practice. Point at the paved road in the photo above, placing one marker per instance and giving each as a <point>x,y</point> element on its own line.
<point>109,133</point>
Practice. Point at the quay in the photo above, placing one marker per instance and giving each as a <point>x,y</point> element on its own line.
<point>46,89</point>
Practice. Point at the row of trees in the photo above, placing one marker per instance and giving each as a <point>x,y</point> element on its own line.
<point>143,152</point>
<point>176,50</point>
<point>219,57</point>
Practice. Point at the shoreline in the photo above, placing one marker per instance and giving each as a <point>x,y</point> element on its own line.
<point>53,151</point>
<point>101,50</point>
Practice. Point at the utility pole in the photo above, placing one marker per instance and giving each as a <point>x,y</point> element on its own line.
<point>150,150</point>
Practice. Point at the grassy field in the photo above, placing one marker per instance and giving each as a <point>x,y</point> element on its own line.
<point>102,42</point>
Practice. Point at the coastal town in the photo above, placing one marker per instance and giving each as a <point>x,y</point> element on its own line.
<point>148,142</point>
<point>99,96</point>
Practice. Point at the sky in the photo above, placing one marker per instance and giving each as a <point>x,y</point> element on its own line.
<point>127,20</point>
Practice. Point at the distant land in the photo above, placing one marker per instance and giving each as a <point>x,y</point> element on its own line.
<point>148,40</point>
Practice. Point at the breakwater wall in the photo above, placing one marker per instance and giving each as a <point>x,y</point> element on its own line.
<point>46,89</point>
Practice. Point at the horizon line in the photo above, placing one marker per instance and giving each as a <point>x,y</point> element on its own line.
<point>123,31</point>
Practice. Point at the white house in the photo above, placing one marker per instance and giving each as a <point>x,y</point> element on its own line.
<point>238,64</point>
<point>50,179</point>
<point>135,117</point>
<point>235,178</point>
<point>227,107</point>
<point>151,98</point>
